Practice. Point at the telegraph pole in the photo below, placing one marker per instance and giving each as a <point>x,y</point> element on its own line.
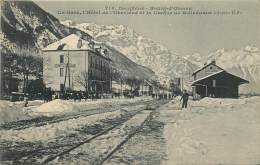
<point>67,71</point>
<point>69,67</point>
<point>1,75</point>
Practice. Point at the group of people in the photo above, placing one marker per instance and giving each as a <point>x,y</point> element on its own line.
<point>166,96</point>
<point>78,96</point>
<point>47,95</point>
<point>184,97</point>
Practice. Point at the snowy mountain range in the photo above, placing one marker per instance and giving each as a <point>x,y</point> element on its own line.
<point>133,55</point>
<point>140,49</point>
<point>244,62</point>
<point>25,24</point>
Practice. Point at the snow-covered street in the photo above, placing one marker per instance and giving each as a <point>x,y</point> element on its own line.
<point>213,131</point>
<point>135,131</point>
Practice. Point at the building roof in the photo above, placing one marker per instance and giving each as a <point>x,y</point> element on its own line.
<point>211,63</point>
<point>73,42</point>
<point>148,82</point>
<point>68,43</point>
<point>210,75</point>
<point>241,80</point>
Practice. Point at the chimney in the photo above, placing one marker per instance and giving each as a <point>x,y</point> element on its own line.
<point>44,42</point>
<point>105,51</point>
<point>79,45</point>
<point>213,62</point>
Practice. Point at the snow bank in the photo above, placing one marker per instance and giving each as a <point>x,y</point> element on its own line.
<point>35,103</point>
<point>66,106</point>
<point>11,112</point>
<point>220,102</point>
<point>57,106</point>
<point>216,131</point>
<point>49,132</point>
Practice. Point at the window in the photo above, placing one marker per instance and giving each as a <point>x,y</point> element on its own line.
<point>61,59</point>
<point>61,72</point>
<point>214,83</point>
<point>91,74</point>
<point>210,67</point>
<point>107,67</point>
<point>61,87</point>
<point>91,61</point>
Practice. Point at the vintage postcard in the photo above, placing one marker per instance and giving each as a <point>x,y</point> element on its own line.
<point>130,82</point>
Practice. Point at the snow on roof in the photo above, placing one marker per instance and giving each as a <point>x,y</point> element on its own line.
<point>207,76</point>
<point>241,79</point>
<point>68,43</point>
<point>211,63</point>
<point>148,82</point>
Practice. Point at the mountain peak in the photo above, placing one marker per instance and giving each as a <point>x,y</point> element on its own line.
<point>26,24</point>
<point>221,51</point>
<point>251,49</point>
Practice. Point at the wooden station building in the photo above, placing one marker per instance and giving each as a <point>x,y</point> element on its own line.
<point>213,81</point>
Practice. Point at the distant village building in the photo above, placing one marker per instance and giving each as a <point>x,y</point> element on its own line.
<point>120,88</point>
<point>146,88</point>
<point>175,86</point>
<point>213,81</point>
<point>76,64</point>
<point>1,76</point>
<point>117,88</point>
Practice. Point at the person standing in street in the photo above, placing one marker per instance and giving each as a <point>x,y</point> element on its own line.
<point>184,98</point>
<point>26,100</point>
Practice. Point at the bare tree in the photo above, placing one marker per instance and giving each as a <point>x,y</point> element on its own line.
<point>117,75</point>
<point>23,61</point>
<point>82,79</point>
<point>29,64</point>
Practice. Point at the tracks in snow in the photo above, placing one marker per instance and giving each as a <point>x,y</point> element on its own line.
<point>125,139</point>
<point>132,123</point>
<point>41,121</point>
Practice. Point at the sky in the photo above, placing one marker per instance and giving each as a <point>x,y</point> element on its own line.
<point>183,34</point>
